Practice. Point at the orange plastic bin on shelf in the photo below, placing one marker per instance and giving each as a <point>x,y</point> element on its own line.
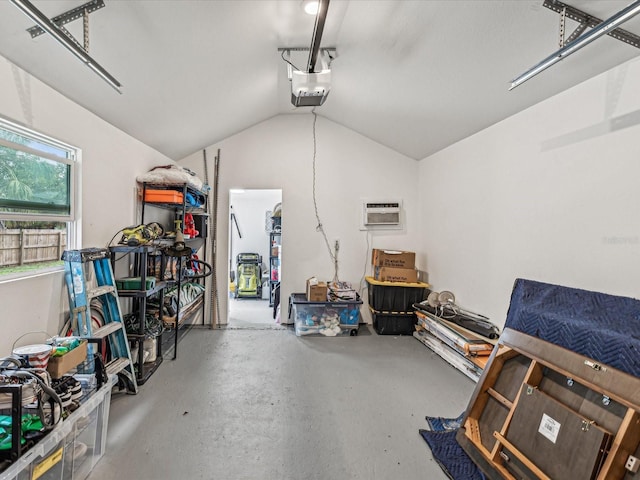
<point>163,196</point>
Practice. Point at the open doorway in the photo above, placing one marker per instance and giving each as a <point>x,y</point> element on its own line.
<point>255,240</point>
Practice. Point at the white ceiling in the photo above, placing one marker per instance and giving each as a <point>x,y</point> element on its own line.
<point>415,76</point>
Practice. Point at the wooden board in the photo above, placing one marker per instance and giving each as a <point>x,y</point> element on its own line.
<point>618,385</point>
<point>590,411</point>
<point>451,356</point>
<point>560,442</point>
<point>467,343</point>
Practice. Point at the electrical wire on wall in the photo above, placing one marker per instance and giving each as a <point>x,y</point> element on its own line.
<point>363,284</point>
<point>319,227</point>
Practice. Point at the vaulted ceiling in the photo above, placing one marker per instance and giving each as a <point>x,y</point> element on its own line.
<point>415,76</point>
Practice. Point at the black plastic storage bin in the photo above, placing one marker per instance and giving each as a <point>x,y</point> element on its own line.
<point>394,323</point>
<point>395,296</point>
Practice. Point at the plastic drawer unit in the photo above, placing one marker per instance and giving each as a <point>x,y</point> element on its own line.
<point>329,319</point>
<point>73,447</point>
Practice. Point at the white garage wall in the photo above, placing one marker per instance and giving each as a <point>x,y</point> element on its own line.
<point>277,154</point>
<point>111,160</point>
<point>550,194</point>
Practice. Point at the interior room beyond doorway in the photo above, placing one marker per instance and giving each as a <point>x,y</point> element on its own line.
<point>255,239</point>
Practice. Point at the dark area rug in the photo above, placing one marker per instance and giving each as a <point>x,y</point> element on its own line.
<point>447,452</point>
<point>440,424</point>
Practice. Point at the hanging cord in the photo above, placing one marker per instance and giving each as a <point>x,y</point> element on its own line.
<point>319,227</point>
<point>363,284</point>
<point>282,55</point>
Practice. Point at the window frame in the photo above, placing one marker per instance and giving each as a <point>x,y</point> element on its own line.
<point>71,160</point>
<point>73,218</point>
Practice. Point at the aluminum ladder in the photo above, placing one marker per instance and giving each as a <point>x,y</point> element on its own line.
<point>78,264</point>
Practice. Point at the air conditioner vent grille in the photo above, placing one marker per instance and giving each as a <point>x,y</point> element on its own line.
<point>383,218</point>
<point>381,214</point>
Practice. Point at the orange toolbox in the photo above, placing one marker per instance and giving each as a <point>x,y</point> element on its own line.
<point>163,196</point>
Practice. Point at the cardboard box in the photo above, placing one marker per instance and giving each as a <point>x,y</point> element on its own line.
<point>316,291</point>
<point>58,366</point>
<point>393,258</point>
<point>389,274</point>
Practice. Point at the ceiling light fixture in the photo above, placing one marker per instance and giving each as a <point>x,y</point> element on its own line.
<point>603,29</point>
<point>311,7</point>
<point>59,34</point>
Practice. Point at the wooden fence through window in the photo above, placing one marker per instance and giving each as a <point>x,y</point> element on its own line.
<point>23,247</point>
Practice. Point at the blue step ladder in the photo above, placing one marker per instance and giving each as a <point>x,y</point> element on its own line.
<point>78,264</point>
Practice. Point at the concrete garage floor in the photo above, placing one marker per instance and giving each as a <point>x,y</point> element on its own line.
<point>252,313</point>
<point>265,404</point>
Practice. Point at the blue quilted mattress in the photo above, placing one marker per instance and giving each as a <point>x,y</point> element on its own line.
<point>603,327</point>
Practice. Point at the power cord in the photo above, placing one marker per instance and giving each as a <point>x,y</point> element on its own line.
<point>282,55</point>
<point>363,284</point>
<point>114,237</point>
<point>320,227</point>
<point>110,244</point>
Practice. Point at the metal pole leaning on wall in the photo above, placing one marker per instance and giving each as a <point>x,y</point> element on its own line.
<point>212,208</point>
<point>214,288</point>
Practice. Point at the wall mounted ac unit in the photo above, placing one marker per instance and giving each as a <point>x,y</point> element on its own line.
<point>382,214</point>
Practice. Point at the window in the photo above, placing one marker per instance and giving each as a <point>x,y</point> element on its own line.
<point>37,200</point>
